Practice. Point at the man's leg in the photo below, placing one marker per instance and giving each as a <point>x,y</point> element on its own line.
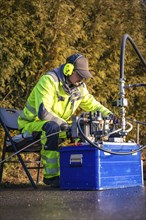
<point>50,159</point>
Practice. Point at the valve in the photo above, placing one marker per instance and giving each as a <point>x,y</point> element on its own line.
<point>121,102</point>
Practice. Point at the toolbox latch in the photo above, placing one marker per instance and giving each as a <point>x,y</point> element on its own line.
<point>76,160</point>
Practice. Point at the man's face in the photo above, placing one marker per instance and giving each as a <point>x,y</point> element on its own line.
<point>75,78</point>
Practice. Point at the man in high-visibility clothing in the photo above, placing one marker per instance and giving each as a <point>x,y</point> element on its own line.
<point>51,104</point>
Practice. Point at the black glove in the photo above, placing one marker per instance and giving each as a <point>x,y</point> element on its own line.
<point>113,118</point>
<point>64,127</point>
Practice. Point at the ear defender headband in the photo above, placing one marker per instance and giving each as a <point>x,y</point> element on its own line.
<point>69,66</point>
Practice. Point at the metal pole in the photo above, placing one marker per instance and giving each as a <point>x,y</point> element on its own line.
<point>137,133</point>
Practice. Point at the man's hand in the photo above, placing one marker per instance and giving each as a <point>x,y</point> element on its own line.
<point>113,119</point>
<point>64,127</point>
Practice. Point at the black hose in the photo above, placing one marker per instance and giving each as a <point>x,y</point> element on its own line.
<point>137,122</point>
<point>122,55</point>
<point>99,148</point>
<point>134,85</point>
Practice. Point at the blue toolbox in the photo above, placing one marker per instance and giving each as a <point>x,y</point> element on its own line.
<point>88,168</point>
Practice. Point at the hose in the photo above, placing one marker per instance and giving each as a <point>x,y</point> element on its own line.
<point>131,127</point>
<point>115,131</point>
<point>100,148</point>
<point>122,55</point>
<point>137,122</point>
<point>134,85</point>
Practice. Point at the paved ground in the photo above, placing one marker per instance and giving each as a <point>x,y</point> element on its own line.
<point>24,203</point>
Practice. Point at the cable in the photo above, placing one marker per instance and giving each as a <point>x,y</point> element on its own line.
<point>92,144</point>
<point>29,145</point>
<point>107,151</point>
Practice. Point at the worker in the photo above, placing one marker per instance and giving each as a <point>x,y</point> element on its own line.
<point>50,105</point>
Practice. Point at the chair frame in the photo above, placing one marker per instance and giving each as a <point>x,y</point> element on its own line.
<point>15,149</point>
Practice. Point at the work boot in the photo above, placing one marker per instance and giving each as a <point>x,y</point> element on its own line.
<point>53,182</point>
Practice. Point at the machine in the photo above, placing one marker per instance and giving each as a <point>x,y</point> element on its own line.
<point>101,158</point>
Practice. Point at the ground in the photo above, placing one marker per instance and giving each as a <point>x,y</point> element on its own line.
<point>22,202</point>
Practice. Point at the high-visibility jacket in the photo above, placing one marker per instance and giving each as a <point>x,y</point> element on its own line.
<point>49,101</point>
<point>53,100</point>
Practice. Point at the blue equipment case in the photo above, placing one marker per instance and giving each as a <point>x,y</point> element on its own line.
<point>87,168</point>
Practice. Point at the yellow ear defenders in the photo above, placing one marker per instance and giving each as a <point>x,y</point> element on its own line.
<point>69,66</point>
<point>68,69</point>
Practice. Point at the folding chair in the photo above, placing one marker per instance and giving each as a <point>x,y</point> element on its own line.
<point>8,120</point>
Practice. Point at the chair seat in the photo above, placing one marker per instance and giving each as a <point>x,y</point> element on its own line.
<point>23,144</point>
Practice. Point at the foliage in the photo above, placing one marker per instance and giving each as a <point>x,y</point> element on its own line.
<point>36,36</point>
